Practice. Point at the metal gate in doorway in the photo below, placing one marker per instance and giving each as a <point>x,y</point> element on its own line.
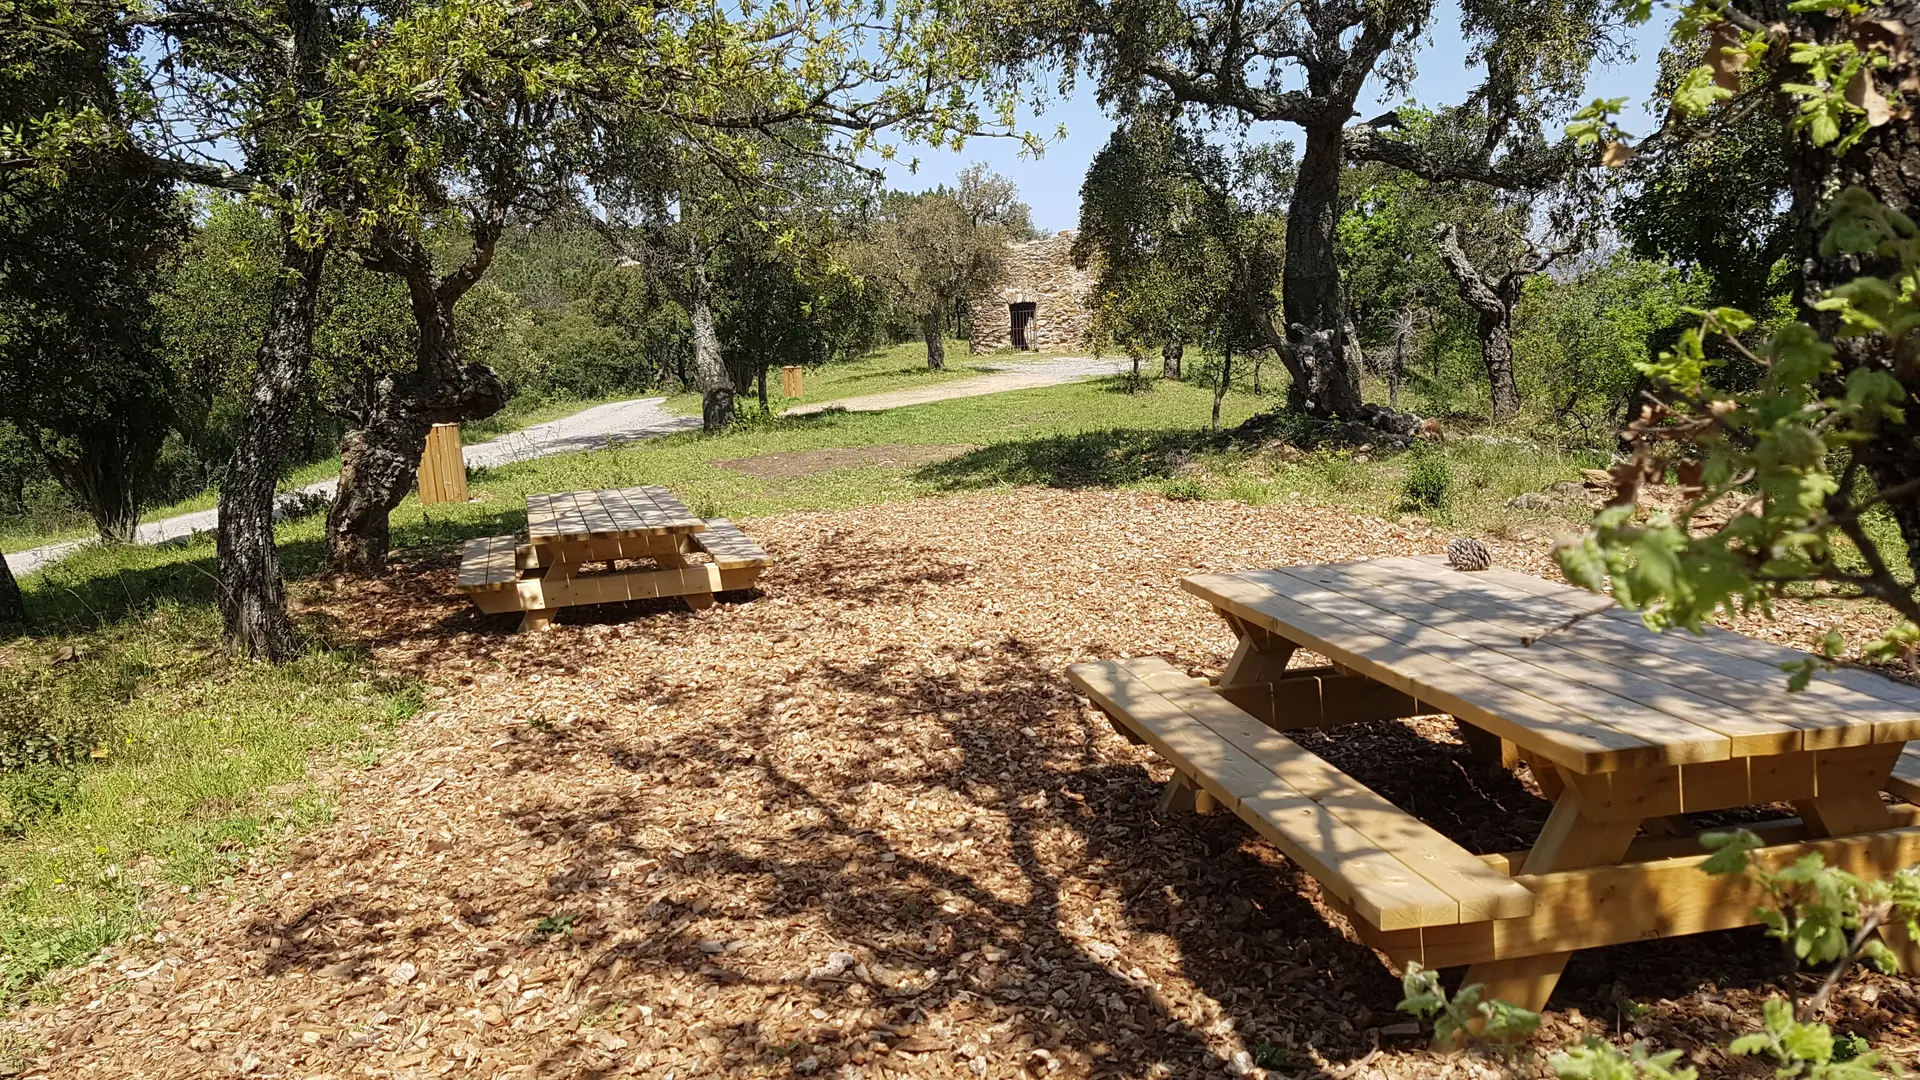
<point>1022,315</point>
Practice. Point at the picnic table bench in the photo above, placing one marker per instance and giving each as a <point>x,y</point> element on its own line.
<point>1622,728</point>
<point>689,557</point>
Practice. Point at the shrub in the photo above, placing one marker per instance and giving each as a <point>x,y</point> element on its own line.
<point>1184,489</point>
<point>1429,484</point>
<point>55,719</point>
<point>35,794</point>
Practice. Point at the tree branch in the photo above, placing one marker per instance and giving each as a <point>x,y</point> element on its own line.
<point>1294,106</point>
<point>1474,289</point>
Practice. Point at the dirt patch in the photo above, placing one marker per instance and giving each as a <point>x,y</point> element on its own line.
<point>857,826</point>
<point>791,463</point>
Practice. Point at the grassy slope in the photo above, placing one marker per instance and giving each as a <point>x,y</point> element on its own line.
<point>1086,434</point>
<point>187,762</point>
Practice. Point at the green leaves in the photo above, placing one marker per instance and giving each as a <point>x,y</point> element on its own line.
<point>1772,458</point>
<point>1699,91</point>
<point>1729,850</point>
<point>1827,114</point>
<point>1802,1049</point>
<point>1595,122</point>
<point>1464,1014</point>
<point>1596,1059</point>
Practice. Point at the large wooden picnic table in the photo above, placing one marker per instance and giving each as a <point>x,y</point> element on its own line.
<point>648,528</point>
<point>1623,728</point>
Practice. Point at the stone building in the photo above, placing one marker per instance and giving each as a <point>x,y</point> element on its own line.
<point>1039,303</point>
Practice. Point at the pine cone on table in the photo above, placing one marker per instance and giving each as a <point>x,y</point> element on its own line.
<point>1467,553</point>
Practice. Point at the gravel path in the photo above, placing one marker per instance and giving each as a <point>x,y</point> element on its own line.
<point>590,429</point>
<point>621,421</point>
<point>1022,375</point>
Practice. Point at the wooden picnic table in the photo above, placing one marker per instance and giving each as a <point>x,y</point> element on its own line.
<point>1625,730</point>
<point>567,531</point>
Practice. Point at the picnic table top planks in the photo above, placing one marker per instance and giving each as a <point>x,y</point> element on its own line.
<point>1600,695</point>
<point>613,512</point>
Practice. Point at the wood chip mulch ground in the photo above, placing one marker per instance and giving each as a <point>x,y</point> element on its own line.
<point>855,825</point>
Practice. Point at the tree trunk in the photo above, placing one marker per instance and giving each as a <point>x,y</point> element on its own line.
<point>112,497</point>
<point>709,364</point>
<point>1496,351</point>
<point>936,345</point>
<point>253,599</point>
<point>761,382</point>
<point>1226,379</point>
<point>102,466</point>
<point>13,610</point>
<point>1326,382</point>
<point>1171,354</point>
<point>1257,358</point>
<point>380,457</point>
<point>1493,300</point>
<point>1885,162</point>
<point>101,475</point>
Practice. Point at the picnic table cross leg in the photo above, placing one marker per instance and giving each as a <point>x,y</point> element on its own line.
<point>1843,809</point>
<point>1574,838</point>
<point>1258,680</point>
<point>1179,795</point>
<point>675,559</point>
<point>1260,657</point>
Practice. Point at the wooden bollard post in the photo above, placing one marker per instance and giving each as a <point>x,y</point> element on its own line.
<point>790,381</point>
<point>443,471</point>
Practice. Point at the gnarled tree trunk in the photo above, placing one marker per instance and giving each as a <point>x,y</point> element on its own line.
<point>709,363</point>
<point>380,455</point>
<point>13,610</point>
<point>1492,299</point>
<point>1885,162</point>
<point>253,599</point>
<point>1171,354</point>
<point>1326,382</point>
<point>930,331</point>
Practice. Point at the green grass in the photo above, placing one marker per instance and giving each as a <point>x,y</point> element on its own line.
<point>896,367</point>
<point>1088,434</point>
<point>186,762</point>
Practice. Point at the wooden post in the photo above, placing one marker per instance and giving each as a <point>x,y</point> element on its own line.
<point>443,471</point>
<point>791,381</point>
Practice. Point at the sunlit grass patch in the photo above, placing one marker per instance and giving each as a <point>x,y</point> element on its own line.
<point>187,762</point>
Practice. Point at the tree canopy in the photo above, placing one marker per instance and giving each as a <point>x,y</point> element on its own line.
<point>1307,65</point>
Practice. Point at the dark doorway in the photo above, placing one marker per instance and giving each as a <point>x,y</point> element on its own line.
<point>1022,322</point>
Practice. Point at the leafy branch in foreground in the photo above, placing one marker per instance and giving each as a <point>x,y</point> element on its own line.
<point>1799,469</point>
<point>1770,452</point>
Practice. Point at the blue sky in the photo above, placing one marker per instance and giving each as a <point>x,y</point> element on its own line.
<point>1051,183</point>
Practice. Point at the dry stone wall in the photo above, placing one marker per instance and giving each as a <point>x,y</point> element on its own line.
<point>1041,273</point>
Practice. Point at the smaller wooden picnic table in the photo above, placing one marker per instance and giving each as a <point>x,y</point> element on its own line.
<point>567,531</point>
<point>1626,731</point>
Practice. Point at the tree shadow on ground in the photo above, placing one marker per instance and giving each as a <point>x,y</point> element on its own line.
<point>1108,458</point>
<point>101,588</point>
<point>1027,941</point>
<point>954,823</point>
